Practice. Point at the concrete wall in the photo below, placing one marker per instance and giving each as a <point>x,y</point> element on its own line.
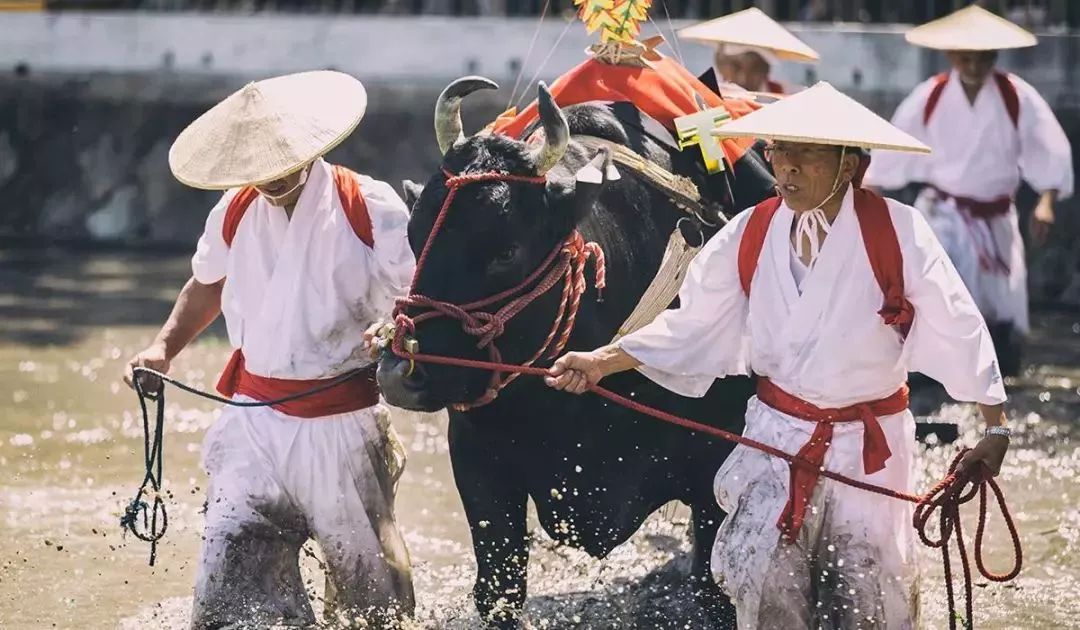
<point>89,104</point>
<point>435,49</point>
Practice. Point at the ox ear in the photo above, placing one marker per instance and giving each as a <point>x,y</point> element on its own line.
<point>412,192</point>
<point>588,183</point>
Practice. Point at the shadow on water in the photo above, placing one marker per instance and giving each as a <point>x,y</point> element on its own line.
<point>56,296</point>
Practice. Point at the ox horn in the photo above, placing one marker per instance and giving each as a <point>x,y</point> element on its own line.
<point>556,133</point>
<point>448,130</point>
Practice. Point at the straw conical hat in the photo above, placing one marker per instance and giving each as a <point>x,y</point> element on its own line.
<point>822,115</point>
<point>751,27</point>
<point>971,28</point>
<point>268,130</point>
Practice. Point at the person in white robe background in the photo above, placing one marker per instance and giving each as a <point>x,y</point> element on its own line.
<point>749,46</point>
<point>989,129</point>
<point>300,257</point>
<point>798,551</point>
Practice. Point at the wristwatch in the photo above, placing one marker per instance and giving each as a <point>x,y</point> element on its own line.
<point>1006,432</point>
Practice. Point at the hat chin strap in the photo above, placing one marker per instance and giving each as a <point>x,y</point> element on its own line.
<point>836,185</point>
<point>285,195</point>
<point>811,221</point>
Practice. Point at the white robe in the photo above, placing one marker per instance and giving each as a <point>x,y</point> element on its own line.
<point>297,297</point>
<point>829,346</point>
<point>978,153</point>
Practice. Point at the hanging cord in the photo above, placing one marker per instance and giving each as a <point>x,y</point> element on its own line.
<point>528,53</point>
<point>674,43</point>
<point>547,58</point>
<point>148,505</point>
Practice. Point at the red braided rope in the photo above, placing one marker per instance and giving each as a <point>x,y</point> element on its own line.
<point>568,263</point>
<point>946,496</point>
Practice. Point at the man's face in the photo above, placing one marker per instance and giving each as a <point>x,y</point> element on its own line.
<point>726,65</point>
<point>806,173</point>
<point>749,71</point>
<point>973,66</point>
<point>290,184</point>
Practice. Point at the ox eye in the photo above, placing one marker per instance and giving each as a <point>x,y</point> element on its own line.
<point>506,256</point>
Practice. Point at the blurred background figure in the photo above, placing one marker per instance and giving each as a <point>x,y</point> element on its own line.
<point>748,45</point>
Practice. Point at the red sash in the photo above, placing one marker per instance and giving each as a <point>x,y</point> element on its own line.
<point>979,209</point>
<point>882,248</point>
<point>352,201</point>
<point>354,394</point>
<point>1009,96</point>
<point>774,87</point>
<point>803,479</point>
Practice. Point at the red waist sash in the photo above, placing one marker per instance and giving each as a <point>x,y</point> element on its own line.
<point>803,479</point>
<point>979,209</point>
<point>354,394</point>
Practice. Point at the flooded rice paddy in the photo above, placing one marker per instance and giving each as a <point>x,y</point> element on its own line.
<point>71,457</point>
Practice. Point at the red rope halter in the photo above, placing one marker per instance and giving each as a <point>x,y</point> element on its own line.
<point>566,263</point>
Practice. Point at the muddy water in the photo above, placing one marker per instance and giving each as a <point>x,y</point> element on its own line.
<point>71,453</point>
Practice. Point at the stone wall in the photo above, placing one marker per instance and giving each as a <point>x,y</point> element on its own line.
<point>86,158</point>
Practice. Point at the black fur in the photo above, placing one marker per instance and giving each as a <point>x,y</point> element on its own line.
<point>531,440</point>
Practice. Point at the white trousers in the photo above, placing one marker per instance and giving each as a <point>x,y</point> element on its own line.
<point>275,482</point>
<point>853,564</point>
<point>988,253</point>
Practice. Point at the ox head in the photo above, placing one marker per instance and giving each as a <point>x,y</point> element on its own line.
<point>495,234</point>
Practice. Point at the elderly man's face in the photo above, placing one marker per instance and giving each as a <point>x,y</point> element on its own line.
<point>973,66</point>
<point>748,70</point>
<point>284,191</point>
<point>806,173</point>
<point>726,65</point>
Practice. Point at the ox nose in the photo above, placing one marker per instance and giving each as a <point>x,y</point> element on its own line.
<point>403,384</point>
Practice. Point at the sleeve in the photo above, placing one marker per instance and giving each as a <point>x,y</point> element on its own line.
<point>392,257</point>
<point>892,170</point>
<point>1045,154</point>
<point>211,254</point>
<point>949,341</point>
<point>706,338</point>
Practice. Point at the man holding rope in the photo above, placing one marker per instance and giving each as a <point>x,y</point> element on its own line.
<point>300,257</point>
<point>830,294</point>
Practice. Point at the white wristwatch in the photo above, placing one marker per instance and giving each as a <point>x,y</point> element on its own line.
<point>1003,431</point>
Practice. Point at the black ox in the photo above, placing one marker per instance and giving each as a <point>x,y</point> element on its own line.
<point>595,471</point>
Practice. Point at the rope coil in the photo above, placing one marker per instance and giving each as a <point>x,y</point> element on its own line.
<point>148,504</point>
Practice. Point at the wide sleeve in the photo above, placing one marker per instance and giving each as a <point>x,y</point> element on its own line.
<point>1045,153</point>
<point>392,258</point>
<point>949,341</point>
<point>208,265</point>
<point>705,338</point>
<point>892,170</point>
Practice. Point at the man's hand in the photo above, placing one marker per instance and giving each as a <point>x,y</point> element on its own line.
<point>990,451</point>
<point>370,336</point>
<point>575,372</point>
<point>155,358</point>
<point>1042,218</point>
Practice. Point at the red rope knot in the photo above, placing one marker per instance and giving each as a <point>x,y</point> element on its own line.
<point>875,451</point>
<point>898,312</point>
<point>486,326</point>
<point>580,251</point>
<point>402,322</point>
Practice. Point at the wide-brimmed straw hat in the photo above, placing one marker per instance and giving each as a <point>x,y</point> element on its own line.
<point>753,29</point>
<point>268,129</point>
<point>970,28</point>
<point>822,115</point>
